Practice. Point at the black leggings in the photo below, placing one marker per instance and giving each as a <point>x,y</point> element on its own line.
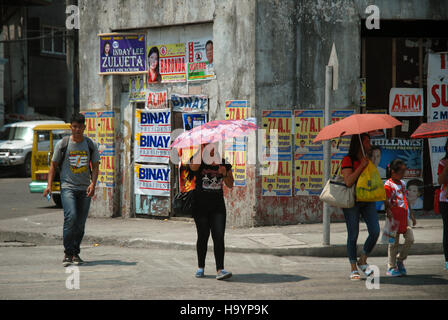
<point>213,220</point>
<point>444,212</point>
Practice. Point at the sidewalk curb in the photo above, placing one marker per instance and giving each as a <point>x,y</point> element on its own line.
<point>331,251</point>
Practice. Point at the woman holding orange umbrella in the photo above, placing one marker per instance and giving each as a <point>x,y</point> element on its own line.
<point>358,126</point>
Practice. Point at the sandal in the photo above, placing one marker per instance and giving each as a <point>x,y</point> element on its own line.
<point>354,275</point>
<point>365,268</point>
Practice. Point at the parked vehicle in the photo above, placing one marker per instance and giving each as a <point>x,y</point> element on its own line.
<point>16,144</point>
<point>44,141</point>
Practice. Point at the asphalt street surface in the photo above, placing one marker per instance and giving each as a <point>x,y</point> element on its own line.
<point>36,272</point>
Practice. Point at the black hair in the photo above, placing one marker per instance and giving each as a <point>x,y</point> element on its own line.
<point>78,118</point>
<point>394,166</point>
<point>415,182</point>
<point>151,51</point>
<point>209,42</point>
<point>104,48</point>
<point>375,148</point>
<point>355,146</point>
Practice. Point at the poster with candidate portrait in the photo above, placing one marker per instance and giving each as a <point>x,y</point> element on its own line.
<point>308,123</point>
<point>137,88</point>
<point>384,151</point>
<point>415,189</point>
<point>122,53</point>
<point>279,181</point>
<point>341,144</point>
<point>166,63</point>
<point>308,174</point>
<point>200,60</point>
<point>193,120</point>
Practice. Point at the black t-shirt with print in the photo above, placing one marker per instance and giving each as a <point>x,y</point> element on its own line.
<point>209,183</point>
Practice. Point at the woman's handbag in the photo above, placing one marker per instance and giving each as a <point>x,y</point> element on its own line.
<point>337,194</point>
<point>183,203</point>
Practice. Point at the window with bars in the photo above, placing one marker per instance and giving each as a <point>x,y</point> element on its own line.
<point>53,40</point>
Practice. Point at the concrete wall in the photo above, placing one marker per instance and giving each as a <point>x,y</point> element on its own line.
<point>232,25</point>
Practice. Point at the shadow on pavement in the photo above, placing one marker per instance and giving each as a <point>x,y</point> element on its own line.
<point>108,263</point>
<point>266,278</point>
<point>415,280</point>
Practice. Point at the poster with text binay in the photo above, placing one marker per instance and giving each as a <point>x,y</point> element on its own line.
<point>152,180</point>
<point>189,103</point>
<point>152,136</point>
<point>166,63</point>
<point>308,124</point>
<point>122,53</point>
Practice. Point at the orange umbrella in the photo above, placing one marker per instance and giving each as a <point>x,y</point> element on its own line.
<point>435,129</point>
<point>357,124</point>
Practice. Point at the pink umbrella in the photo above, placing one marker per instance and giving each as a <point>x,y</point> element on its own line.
<point>213,131</point>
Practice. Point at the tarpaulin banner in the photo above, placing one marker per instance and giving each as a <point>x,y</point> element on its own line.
<point>156,99</point>
<point>384,151</point>
<point>166,63</point>
<point>152,180</point>
<point>406,102</point>
<point>437,104</point>
<point>309,174</point>
<point>137,88</point>
<point>308,124</point>
<point>189,103</point>
<point>153,121</point>
<point>151,147</point>
<point>279,183</point>
<point>200,60</point>
<point>122,53</point>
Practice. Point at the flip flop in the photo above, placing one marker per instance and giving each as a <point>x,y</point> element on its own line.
<point>355,276</point>
<point>365,268</point>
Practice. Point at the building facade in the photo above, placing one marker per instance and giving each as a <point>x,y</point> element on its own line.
<point>272,54</point>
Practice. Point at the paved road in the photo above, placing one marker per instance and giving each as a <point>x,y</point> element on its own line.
<point>17,201</point>
<point>132,273</point>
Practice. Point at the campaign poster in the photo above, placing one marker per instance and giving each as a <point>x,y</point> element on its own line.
<point>279,183</point>
<point>189,103</point>
<point>308,123</point>
<point>122,53</point>
<point>406,102</point>
<point>151,147</point>
<point>193,120</point>
<point>336,160</point>
<point>200,60</point>
<point>281,122</point>
<point>153,180</point>
<point>91,130</point>
<point>309,174</point>
<point>384,151</point>
<point>153,121</point>
<point>344,142</point>
<point>415,189</point>
<point>137,88</point>
<point>236,148</point>
<point>156,99</point>
<point>106,170</point>
<point>105,131</point>
<point>437,104</point>
<point>166,63</point>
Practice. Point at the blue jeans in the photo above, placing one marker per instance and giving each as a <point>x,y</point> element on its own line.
<point>368,211</point>
<point>76,206</point>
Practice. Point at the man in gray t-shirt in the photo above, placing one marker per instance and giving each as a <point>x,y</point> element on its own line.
<point>79,159</point>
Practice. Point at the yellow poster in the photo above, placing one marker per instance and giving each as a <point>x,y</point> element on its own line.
<point>308,123</point>
<point>308,174</point>
<point>166,63</point>
<point>280,182</point>
<point>279,121</point>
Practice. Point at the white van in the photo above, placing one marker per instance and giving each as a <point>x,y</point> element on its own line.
<point>16,144</point>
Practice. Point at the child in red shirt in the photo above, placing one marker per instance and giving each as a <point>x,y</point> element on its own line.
<point>397,209</point>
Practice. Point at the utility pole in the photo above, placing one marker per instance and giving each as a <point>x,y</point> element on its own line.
<point>331,82</point>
